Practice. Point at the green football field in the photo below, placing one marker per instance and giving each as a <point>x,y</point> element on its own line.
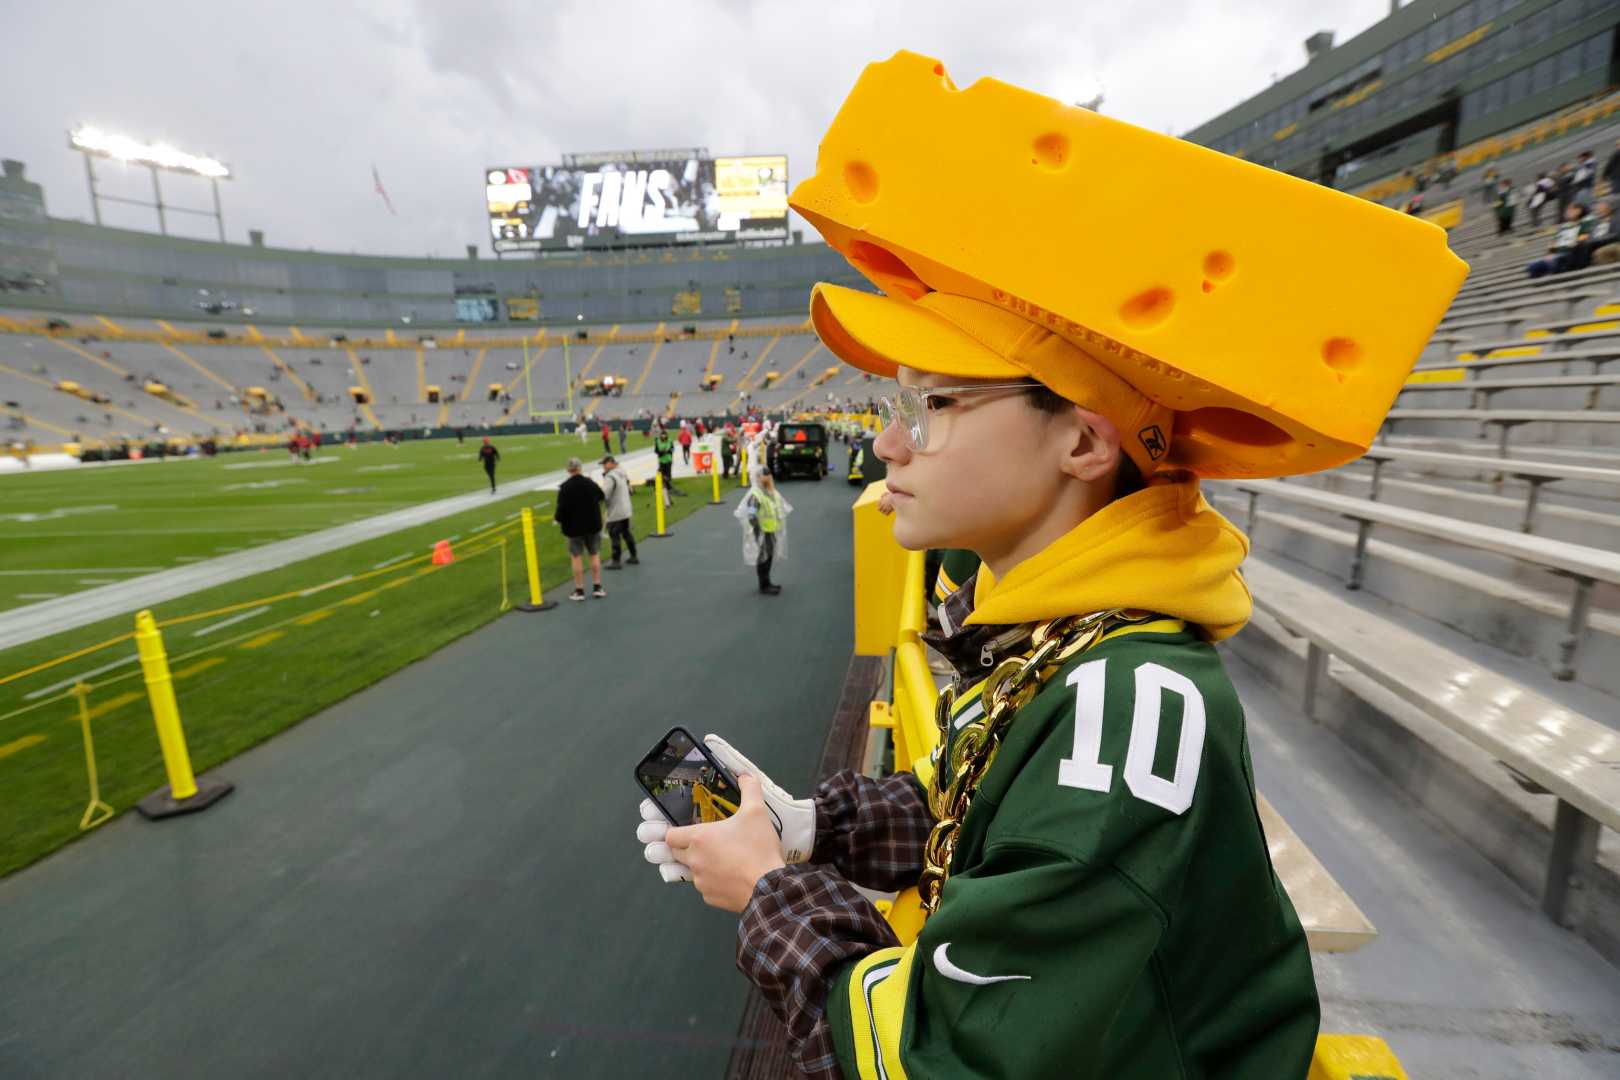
<point>65,531</point>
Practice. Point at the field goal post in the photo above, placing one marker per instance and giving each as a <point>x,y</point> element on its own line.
<point>554,415</point>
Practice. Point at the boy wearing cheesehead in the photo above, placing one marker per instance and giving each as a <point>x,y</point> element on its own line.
<point>1085,838</point>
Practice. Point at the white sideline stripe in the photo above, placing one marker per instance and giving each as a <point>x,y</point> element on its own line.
<point>46,617</point>
<point>96,580</point>
<point>232,621</point>
<point>390,562</point>
<point>281,464</point>
<point>345,579</point>
<point>38,595</point>
<point>85,570</point>
<point>65,683</point>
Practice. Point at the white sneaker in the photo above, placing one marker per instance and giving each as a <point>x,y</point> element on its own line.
<point>577,594</point>
<point>598,592</point>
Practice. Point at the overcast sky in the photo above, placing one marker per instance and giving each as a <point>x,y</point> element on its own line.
<point>301,97</point>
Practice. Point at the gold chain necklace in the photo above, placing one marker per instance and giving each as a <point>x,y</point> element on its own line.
<point>1008,688</point>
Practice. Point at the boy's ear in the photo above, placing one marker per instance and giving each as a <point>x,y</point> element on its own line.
<point>1093,449</point>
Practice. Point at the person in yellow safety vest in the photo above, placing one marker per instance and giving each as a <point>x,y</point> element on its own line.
<point>763,513</point>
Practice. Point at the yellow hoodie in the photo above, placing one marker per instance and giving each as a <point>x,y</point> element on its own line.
<point>1162,549</point>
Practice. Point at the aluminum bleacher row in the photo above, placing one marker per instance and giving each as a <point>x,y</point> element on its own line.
<point>99,382</point>
<point>1450,603</point>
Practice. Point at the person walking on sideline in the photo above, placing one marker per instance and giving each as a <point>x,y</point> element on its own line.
<point>579,512</point>
<point>616,490</point>
<point>664,447</point>
<point>763,513</point>
<point>624,435</point>
<point>607,438</point>
<point>488,455</point>
<point>685,440</point>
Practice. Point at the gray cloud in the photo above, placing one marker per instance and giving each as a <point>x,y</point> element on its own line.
<point>301,97</point>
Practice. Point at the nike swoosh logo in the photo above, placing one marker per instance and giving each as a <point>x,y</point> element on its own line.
<point>943,965</point>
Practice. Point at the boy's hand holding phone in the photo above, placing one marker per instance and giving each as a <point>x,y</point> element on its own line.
<point>727,858</point>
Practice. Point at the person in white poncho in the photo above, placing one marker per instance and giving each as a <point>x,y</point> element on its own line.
<point>763,513</point>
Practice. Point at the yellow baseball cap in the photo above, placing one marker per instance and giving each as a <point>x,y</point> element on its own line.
<point>967,338</point>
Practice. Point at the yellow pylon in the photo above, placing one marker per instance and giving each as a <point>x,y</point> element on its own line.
<point>183,794</point>
<point>530,556</point>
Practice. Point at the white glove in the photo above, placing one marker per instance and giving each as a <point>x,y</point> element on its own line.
<point>795,819</point>
<point>654,825</point>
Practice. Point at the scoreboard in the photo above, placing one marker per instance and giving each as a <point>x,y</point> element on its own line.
<point>631,200</point>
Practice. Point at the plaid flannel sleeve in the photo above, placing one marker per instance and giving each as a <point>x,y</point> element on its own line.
<point>800,926</point>
<point>872,830</point>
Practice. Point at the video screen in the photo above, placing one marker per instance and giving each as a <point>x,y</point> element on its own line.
<point>689,787</point>
<point>636,203</point>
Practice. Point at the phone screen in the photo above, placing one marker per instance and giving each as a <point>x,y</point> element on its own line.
<point>688,785</point>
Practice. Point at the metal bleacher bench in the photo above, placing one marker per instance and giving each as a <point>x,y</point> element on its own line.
<point>1482,389</point>
<point>1549,748</point>
<point>1505,419</point>
<point>1584,565</point>
<point>1533,473</point>
<point>1470,369</point>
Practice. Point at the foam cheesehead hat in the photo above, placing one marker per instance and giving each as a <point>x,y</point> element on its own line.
<point>1275,319</point>
<point>966,338</point>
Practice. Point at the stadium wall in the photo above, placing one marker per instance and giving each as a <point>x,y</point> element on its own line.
<point>51,264</point>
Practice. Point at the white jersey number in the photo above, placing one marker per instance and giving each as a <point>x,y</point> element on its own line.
<point>1085,770</point>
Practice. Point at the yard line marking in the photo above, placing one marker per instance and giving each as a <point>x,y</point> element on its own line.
<point>113,704</point>
<point>315,616</point>
<point>82,676</point>
<point>97,581</point>
<point>487,524</point>
<point>232,621</point>
<point>261,640</point>
<point>54,515</point>
<point>38,595</point>
<point>199,666</point>
<point>450,539</point>
<point>86,570</point>
<point>190,558</point>
<point>329,585</point>
<point>16,746</point>
<point>391,562</point>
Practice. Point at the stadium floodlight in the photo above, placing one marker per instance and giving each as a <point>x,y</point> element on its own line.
<point>160,155</point>
<point>93,142</point>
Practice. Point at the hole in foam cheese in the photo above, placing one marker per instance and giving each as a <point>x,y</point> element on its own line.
<point>1279,318</point>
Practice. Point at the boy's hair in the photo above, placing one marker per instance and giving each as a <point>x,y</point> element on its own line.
<point>1128,480</point>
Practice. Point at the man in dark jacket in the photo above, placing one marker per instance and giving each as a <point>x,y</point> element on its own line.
<point>579,513</point>
<point>1611,170</point>
<point>489,456</point>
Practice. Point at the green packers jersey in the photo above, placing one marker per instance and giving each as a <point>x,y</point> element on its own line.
<point>1111,911</point>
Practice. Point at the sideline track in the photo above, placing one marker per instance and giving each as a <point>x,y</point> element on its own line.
<point>34,621</point>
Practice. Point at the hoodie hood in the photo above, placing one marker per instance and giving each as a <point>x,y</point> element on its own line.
<point>1162,549</point>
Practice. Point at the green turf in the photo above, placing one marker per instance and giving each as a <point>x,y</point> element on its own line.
<point>252,688</point>
<point>65,531</point>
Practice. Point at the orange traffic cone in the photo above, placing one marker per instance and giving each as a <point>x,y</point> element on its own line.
<point>442,555</point>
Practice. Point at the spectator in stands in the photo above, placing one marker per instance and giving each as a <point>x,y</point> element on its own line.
<point>1566,243</point>
<point>488,456</point>
<point>616,492</point>
<point>1585,178</point>
<point>1505,206</point>
<point>1600,234</point>
<point>579,513</point>
<point>1563,188</point>
<point>1611,170</point>
<point>1536,197</point>
<point>1487,186</point>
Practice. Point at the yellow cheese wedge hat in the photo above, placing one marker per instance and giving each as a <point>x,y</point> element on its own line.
<point>965,338</point>
<point>1276,318</point>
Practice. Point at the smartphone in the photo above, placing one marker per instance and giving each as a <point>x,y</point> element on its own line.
<point>685,780</point>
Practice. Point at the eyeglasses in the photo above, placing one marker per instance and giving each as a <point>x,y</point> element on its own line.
<point>910,407</point>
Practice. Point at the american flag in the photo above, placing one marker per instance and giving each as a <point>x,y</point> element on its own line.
<point>377,180</point>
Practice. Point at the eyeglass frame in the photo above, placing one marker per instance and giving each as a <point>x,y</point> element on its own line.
<point>917,434</point>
